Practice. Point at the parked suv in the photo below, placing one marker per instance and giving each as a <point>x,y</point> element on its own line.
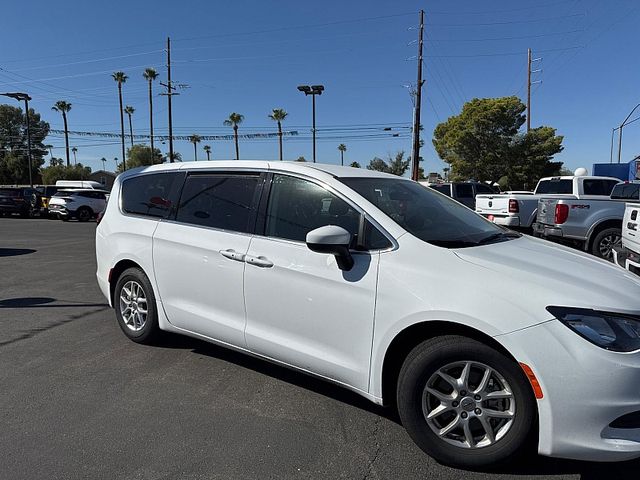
<point>480,336</point>
<point>18,200</point>
<point>464,192</point>
<point>82,204</point>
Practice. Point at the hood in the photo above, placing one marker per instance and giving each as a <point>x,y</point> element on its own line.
<point>545,274</point>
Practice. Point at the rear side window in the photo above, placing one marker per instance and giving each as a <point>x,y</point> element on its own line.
<point>598,187</point>
<point>480,189</point>
<point>224,201</point>
<point>446,189</point>
<point>149,195</point>
<point>626,191</point>
<point>464,190</point>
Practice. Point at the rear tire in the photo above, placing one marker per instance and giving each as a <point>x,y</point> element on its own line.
<point>466,426</point>
<point>135,305</point>
<point>604,241</point>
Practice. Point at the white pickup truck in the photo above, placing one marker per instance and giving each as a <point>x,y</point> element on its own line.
<point>593,223</point>
<point>627,255</point>
<point>519,210</point>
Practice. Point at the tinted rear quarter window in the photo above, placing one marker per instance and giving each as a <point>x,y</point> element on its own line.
<point>626,191</point>
<point>149,195</point>
<point>464,190</point>
<point>224,201</point>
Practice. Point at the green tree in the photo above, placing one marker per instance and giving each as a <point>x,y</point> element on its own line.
<point>278,115</point>
<point>483,143</point>
<point>64,107</point>
<point>177,157</point>
<point>150,75</point>
<point>141,155</point>
<point>234,120</point>
<point>396,165</point>
<point>301,159</point>
<point>129,110</point>
<point>355,165</point>
<point>52,174</point>
<point>75,151</point>
<point>195,139</point>
<point>207,150</point>
<point>120,78</point>
<point>342,148</point>
<point>14,161</point>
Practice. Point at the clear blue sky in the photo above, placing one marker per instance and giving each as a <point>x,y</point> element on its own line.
<point>249,56</point>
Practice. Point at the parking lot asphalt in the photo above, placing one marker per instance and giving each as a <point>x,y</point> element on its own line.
<point>78,400</point>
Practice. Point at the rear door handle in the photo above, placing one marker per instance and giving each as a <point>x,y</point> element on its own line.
<point>233,255</point>
<point>258,261</point>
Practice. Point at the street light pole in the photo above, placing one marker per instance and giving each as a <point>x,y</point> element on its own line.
<point>312,90</point>
<point>23,96</point>
<point>620,134</point>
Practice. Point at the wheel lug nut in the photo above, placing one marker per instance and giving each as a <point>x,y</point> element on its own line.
<point>478,411</point>
<point>463,393</point>
<point>464,415</point>
<point>454,404</point>
<point>476,397</point>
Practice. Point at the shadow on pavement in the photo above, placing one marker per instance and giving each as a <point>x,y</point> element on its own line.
<point>278,372</point>
<point>43,302</point>
<point>12,252</point>
<point>529,466</point>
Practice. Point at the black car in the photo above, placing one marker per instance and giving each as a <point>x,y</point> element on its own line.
<point>18,200</point>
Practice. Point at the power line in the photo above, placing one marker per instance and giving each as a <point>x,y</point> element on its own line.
<point>511,22</point>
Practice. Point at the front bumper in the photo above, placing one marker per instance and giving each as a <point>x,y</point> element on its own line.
<point>585,388</point>
<point>59,210</point>
<point>627,259</point>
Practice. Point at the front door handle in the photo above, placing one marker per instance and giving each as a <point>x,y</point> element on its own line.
<point>258,261</point>
<point>233,255</point>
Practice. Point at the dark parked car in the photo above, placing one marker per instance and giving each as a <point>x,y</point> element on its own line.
<point>464,192</point>
<point>20,200</point>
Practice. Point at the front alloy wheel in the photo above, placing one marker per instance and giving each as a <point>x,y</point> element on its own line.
<point>468,404</point>
<point>465,403</point>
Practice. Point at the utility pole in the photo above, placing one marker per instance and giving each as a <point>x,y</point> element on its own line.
<point>624,122</point>
<point>415,153</point>
<point>529,83</point>
<point>169,94</point>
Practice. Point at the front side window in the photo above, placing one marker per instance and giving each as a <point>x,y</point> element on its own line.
<point>297,206</point>
<point>433,218</point>
<point>149,195</point>
<point>225,201</point>
<point>464,190</point>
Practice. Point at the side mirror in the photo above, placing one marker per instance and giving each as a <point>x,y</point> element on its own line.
<point>333,240</point>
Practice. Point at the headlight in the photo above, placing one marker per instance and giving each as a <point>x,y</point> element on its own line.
<point>612,331</point>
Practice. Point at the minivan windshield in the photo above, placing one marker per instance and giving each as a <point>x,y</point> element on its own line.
<point>427,214</point>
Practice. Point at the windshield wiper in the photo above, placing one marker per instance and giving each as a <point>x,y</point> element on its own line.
<point>499,236</point>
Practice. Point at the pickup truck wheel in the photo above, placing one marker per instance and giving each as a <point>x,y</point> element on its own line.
<point>464,403</point>
<point>604,242</point>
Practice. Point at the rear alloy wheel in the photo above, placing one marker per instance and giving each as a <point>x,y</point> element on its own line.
<point>135,306</point>
<point>84,214</point>
<point>464,403</point>
<point>605,241</point>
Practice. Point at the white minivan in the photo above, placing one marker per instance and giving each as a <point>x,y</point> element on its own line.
<point>486,341</point>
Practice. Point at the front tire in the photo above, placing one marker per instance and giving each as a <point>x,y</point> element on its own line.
<point>464,403</point>
<point>135,305</point>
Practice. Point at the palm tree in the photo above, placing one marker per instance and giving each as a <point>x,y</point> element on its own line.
<point>129,111</point>
<point>234,120</point>
<point>343,148</point>
<point>64,107</point>
<point>75,150</point>
<point>278,115</point>
<point>121,78</point>
<point>195,139</point>
<point>150,75</point>
<point>207,150</point>
<point>50,148</point>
